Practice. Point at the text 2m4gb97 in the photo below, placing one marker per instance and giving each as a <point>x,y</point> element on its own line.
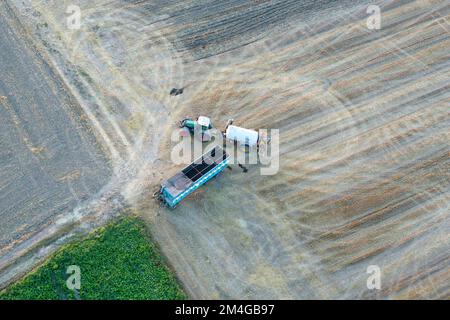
<point>249,309</point>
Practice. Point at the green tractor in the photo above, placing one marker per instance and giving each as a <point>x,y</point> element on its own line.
<point>202,124</point>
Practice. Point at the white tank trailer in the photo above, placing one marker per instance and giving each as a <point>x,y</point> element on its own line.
<point>245,138</point>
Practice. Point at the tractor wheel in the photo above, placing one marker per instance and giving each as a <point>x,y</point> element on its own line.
<point>206,136</point>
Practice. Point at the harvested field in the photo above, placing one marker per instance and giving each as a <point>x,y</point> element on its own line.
<point>50,163</point>
<point>364,130</point>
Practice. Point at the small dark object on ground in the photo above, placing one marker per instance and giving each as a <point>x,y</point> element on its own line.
<point>244,169</point>
<point>175,91</point>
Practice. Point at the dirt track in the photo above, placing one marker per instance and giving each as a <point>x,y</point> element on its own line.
<point>363,116</point>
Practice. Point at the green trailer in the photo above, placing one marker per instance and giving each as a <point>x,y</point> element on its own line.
<point>178,187</point>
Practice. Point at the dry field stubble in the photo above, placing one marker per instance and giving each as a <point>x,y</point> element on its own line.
<point>363,118</point>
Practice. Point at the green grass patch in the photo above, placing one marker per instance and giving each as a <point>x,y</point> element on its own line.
<point>117,262</point>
